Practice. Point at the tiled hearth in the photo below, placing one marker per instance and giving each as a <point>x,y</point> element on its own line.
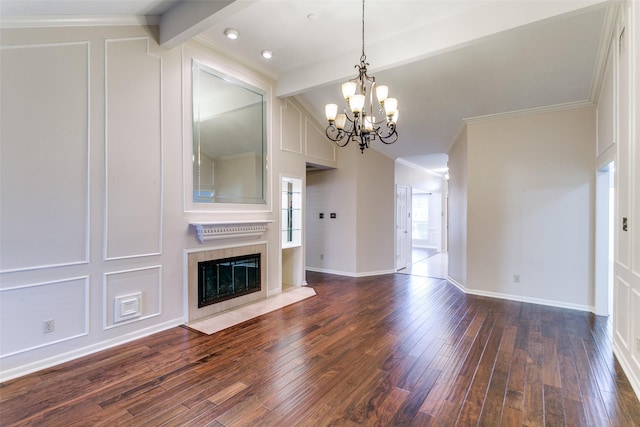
<point>218,322</point>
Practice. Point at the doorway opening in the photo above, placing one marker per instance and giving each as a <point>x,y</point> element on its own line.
<point>426,227</point>
<point>428,255</point>
<point>605,214</point>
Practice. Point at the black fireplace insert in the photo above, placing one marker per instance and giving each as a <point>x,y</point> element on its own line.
<point>226,278</point>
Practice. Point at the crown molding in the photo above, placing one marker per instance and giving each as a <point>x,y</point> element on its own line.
<point>46,21</point>
<point>530,111</point>
<point>603,51</point>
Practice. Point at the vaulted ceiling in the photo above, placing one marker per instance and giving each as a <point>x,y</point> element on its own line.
<point>445,60</point>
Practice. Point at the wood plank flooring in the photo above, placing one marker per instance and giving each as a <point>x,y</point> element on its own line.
<point>377,351</point>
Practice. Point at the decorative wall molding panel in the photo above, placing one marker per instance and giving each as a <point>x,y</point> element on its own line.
<point>25,309</point>
<point>133,149</point>
<point>291,121</point>
<point>229,230</point>
<point>144,282</point>
<point>622,300</point>
<point>316,144</point>
<point>635,322</point>
<point>44,155</point>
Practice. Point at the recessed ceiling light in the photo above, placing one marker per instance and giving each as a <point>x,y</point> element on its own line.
<point>267,54</point>
<point>231,33</point>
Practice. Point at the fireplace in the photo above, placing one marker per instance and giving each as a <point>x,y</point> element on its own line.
<point>248,278</point>
<point>226,278</point>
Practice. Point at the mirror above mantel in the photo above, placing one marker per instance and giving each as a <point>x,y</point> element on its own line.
<point>229,138</point>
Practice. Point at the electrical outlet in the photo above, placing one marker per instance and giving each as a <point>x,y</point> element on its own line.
<point>516,278</point>
<point>321,256</point>
<point>638,344</point>
<point>48,326</point>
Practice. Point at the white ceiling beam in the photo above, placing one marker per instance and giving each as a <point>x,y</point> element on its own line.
<point>187,19</point>
<point>414,45</point>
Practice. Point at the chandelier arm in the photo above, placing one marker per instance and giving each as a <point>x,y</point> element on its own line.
<point>339,135</point>
<point>341,138</point>
<point>340,144</point>
<point>389,138</point>
<point>349,118</point>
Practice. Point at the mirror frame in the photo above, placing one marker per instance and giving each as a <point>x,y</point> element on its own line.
<point>233,146</point>
<point>247,77</point>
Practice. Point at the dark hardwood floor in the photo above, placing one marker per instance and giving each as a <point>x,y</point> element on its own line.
<point>386,350</point>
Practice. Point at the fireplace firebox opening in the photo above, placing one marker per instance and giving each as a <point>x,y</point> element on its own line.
<point>226,278</point>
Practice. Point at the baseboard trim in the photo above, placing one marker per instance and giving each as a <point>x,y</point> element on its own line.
<point>520,298</point>
<point>350,273</point>
<point>39,365</point>
<point>456,284</point>
<point>626,367</point>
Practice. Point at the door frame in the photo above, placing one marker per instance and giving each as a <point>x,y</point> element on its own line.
<point>604,217</point>
<point>402,227</point>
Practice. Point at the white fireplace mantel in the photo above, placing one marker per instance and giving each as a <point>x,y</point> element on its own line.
<point>215,230</point>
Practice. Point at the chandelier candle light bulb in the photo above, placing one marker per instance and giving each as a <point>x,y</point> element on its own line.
<point>358,122</point>
<point>368,123</point>
<point>331,110</point>
<point>382,92</point>
<point>356,102</point>
<point>348,89</point>
<point>390,106</point>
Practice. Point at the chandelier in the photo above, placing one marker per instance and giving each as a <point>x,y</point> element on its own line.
<point>358,122</point>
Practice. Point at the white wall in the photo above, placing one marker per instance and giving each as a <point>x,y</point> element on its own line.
<point>529,195</point>
<point>360,240</point>
<point>617,139</point>
<point>457,211</point>
<point>95,197</point>
<point>530,200</point>
<point>415,177</point>
<point>375,223</point>
<point>330,242</point>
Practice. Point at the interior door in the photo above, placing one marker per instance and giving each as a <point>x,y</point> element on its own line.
<point>402,227</point>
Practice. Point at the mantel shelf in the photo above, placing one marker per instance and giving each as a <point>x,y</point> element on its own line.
<point>215,230</point>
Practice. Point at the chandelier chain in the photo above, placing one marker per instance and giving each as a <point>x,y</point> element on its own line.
<point>363,57</point>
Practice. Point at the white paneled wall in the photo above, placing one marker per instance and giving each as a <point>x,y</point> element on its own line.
<point>44,155</point>
<point>619,140</point>
<point>82,140</point>
<point>300,134</point>
<point>133,147</point>
<point>95,197</point>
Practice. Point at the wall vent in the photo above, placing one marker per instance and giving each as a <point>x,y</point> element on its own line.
<point>127,307</point>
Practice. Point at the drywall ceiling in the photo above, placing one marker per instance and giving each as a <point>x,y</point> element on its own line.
<point>445,60</point>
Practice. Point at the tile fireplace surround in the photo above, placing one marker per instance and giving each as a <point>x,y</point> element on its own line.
<point>193,258</point>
